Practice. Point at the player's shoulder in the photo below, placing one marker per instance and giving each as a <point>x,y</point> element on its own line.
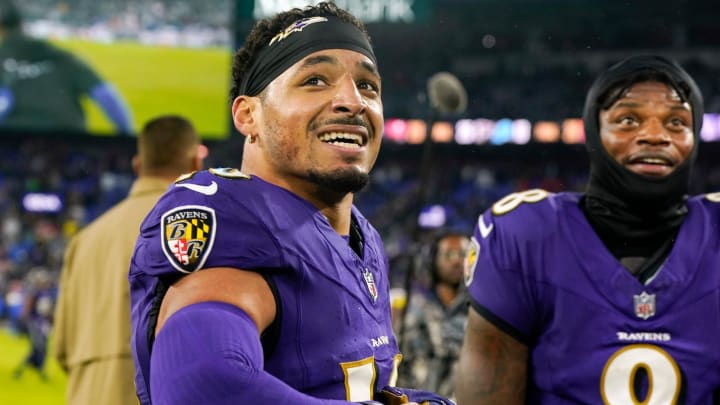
<point>522,218</point>
<point>529,216</point>
<point>207,193</point>
<point>528,213</point>
<point>207,219</point>
<point>705,205</point>
<point>210,186</point>
<point>708,200</point>
<point>219,179</point>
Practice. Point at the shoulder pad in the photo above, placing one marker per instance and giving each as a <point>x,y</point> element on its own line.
<point>185,176</point>
<point>512,201</point>
<point>712,197</point>
<point>229,173</point>
<point>527,215</point>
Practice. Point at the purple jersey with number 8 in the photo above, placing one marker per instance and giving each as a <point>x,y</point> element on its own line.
<point>596,334</point>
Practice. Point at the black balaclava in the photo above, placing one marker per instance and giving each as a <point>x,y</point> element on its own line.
<point>635,215</point>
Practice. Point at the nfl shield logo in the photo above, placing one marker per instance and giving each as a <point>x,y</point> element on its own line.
<point>644,305</point>
<point>370,282</point>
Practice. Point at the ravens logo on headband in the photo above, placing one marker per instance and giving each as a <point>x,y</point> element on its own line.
<point>297,26</point>
<point>188,233</point>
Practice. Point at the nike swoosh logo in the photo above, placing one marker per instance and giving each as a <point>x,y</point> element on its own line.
<point>210,189</point>
<point>484,229</point>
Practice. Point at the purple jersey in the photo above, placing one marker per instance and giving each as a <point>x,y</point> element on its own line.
<point>335,336</point>
<point>596,334</point>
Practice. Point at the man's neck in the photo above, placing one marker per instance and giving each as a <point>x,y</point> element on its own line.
<point>339,215</point>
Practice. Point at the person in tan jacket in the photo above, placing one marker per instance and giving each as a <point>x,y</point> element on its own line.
<point>91,338</point>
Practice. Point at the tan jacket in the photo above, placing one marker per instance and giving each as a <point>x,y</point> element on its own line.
<point>91,337</point>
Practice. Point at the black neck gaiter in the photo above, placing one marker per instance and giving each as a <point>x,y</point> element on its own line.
<point>635,215</point>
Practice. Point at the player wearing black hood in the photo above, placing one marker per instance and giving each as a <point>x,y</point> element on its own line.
<point>637,213</point>
<point>592,298</point>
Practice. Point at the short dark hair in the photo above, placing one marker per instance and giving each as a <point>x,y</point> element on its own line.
<point>263,31</point>
<point>10,17</point>
<point>167,145</point>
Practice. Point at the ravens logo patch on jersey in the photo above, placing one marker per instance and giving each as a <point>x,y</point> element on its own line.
<point>188,233</point>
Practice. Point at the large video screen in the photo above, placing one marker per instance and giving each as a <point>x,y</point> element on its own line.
<point>106,67</point>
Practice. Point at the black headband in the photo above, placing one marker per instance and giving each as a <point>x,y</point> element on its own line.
<point>298,40</point>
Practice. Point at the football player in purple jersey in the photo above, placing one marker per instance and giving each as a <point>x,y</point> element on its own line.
<point>266,285</point>
<point>609,296</point>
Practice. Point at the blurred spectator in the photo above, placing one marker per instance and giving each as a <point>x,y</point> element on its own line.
<point>91,339</point>
<point>37,320</point>
<point>14,302</point>
<point>435,319</point>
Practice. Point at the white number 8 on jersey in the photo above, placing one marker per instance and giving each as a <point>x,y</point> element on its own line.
<point>618,377</point>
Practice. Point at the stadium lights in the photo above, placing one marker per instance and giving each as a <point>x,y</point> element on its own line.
<point>480,131</point>
<point>710,131</point>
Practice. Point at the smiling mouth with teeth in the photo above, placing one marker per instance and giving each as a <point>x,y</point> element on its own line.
<point>652,166</point>
<point>343,139</point>
<point>652,161</point>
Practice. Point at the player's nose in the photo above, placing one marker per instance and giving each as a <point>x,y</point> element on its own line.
<point>347,98</point>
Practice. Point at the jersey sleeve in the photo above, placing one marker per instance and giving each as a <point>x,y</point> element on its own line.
<point>499,273</point>
<point>203,222</point>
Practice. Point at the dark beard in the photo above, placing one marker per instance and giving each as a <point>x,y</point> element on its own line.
<point>341,181</point>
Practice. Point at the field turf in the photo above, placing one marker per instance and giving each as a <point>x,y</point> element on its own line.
<point>28,389</point>
<point>158,80</point>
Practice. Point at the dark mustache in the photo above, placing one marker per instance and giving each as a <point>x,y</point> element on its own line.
<point>357,121</point>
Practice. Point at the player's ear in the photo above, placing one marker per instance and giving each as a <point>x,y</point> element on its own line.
<point>245,113</point>
<point>200,155</point>
<point>136,165</point>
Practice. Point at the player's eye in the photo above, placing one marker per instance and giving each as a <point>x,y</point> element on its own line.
<point>368,85</point>
<point>314,81</point>
<point>627,120</point>
<point>678,122</point>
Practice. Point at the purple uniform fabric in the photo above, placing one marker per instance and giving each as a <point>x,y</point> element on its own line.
<point>335,329</point>
<point>596,334</point>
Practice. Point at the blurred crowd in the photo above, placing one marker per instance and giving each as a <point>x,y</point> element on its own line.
<point>188,23</point>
